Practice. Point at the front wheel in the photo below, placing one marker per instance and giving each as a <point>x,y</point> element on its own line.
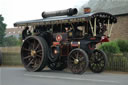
<point>98,61</point>
<point>78,61</point>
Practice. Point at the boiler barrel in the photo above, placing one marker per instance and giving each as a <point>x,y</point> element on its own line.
<point>68,12</point>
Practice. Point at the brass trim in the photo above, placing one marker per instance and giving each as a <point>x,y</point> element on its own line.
<point>76,61</point>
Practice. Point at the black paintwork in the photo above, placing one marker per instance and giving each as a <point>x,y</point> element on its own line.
<point>102,16</point>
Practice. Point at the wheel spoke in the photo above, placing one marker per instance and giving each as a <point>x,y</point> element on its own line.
<point>81,59</point>
<point>96,53</point>
<point>77,55</point>
<point>37,46</point>
<point>26,49</point>
<point>29,56</point>
<point>99,54</point>
<point>38,55</point>
<point>35,63</point>
<point>99,67</point>
<point>101,59</point>
<point>33,47</point>
<point>38,51</point>
<point>29,63</point>
<point>72,57</point>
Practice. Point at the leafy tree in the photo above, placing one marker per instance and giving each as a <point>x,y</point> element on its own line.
<point>20,39</point>
<point>11,41</point>
<point>2,30</point>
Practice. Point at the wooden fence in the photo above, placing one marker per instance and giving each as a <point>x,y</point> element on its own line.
<point>10,56</point>
<point>118,62</point>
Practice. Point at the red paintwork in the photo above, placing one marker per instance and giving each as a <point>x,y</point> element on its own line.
<point>59,37</point>
<point>56,43</point>
<point>104,39</point>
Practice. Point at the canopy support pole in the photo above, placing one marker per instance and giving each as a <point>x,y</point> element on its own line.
<point>94,28</point>
<point>110,30</point>
<point>91,26</point>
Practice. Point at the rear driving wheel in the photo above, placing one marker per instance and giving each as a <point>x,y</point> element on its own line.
<point>34,53</point>
<point>97,61</point>
<point>78,61</point>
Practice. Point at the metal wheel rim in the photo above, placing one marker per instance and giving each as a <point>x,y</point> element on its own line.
<point>32,63</point>
<point>82,64</point>
<point>97,61</point>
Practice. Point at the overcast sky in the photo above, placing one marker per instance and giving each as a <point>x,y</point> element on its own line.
<point>20,10</point>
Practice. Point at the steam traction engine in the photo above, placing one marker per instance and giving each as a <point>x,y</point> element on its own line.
<point>66,41</point>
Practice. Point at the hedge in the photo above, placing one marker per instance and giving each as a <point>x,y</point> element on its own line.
<point>110,47</point>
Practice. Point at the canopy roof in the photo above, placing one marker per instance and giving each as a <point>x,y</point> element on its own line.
<point>101,17</point>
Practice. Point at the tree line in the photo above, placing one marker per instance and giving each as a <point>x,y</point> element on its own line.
<point>10,40</point>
